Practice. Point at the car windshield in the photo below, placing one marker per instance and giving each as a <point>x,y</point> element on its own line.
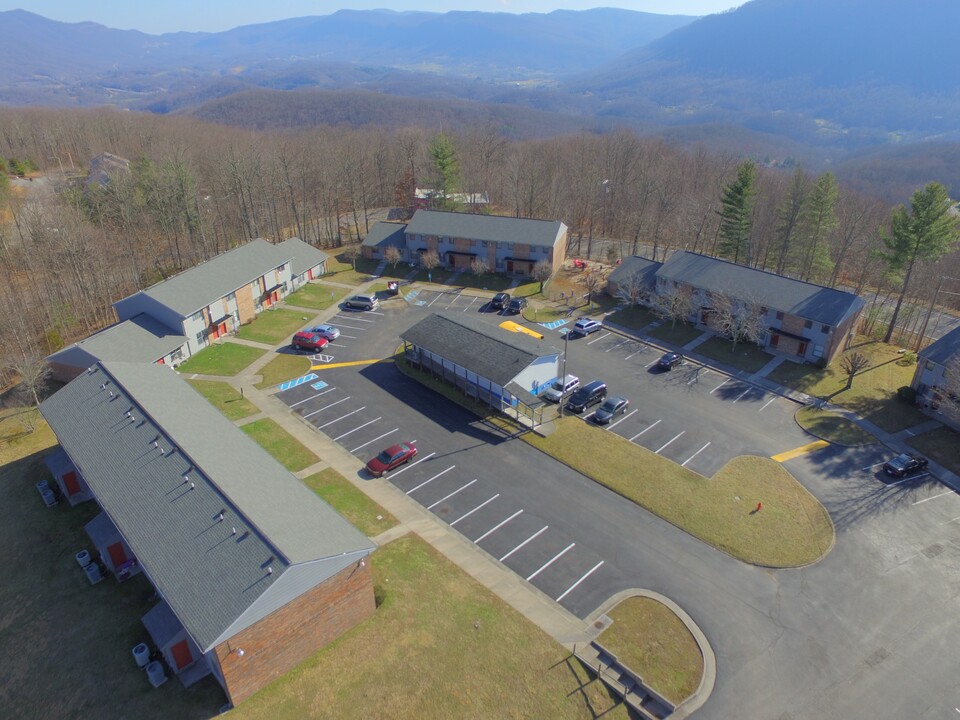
<point>900,461</point>
<point>609,405</point>
<point>385,457</point>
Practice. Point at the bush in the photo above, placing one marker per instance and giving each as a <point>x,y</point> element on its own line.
<point>821,363</point>
<point>907,359</point>
<point>907,394</point>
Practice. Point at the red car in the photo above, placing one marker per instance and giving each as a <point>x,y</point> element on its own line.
<point>392,457</point>
<point>311,341</point>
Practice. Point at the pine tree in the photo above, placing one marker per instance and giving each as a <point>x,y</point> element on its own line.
<point>817,220</point>
<point>736,214</point>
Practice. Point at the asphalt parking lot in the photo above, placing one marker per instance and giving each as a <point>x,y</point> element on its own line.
<point>859,634</point>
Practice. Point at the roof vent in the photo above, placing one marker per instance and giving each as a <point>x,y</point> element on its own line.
<point>132,419</point>
<point>269,571</point>
<point>156,444</point>
<point>103,386</point>
<point>111,393</point>
<point>233,531</point>
<point>192,486</point>
<point>90,370</point>
<point>128,413</point>
<point>162,451</point>
<point>186,479</point>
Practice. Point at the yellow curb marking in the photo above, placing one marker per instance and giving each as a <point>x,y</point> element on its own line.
<point>350,364</point>
<point>518,328</point>
<point>802,450</point>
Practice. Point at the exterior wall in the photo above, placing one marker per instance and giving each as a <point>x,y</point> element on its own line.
<point>83,495</point>
<point>559,251</point>
<point>245,304</point>
<point>293,633</point>
<point>539,374</point>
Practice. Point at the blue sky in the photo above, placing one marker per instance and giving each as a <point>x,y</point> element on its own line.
<point>159,16</point>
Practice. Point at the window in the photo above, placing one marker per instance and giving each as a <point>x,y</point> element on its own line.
<point>763,310</point>
<point>825,329</point>
<point>202,336</point>
<point>929,365</point>
<point>779,315</point>
<point>808,324</point>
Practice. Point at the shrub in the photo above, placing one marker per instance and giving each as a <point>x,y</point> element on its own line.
<point>907,359</point>
<point>907,394</point>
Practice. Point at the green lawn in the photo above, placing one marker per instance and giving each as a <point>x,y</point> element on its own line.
<point>793,529</point>
<point>282,368</point>
<point>747,356</point>
<point>440,646</point>
<point>317,296</point>
<point>288,451</point>
<point>225,398</point>
<point>874,392</point>
<point>652,641</point>
<point>830,426</point>
<point>346,499</point>
<point>227,359</point>
<point>941,445</point>
<point>679,334</point>
<point>546,313</point>
<point>634,318</point>
<point>271,326</point>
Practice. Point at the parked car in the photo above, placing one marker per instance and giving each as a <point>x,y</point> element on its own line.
<point>500,301</point>
<point>362,302</point>
<point>560,388</point>
<point>585,326</point>
<point>390,458</point>
<point>670,360</point>
<point>587,396</point>
<point>517,305</point>
<point>905,464</point>
<point>328,331</point>
<point>612,406</point>
<point>310,341</point>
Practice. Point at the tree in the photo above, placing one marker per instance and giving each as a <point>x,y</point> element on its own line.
<point>447,164</point>
<point>542,272</point>
<point>736,214</point>
<point>429,260</point>
<point>852,364</point>
<point>736,319</point>
<point>351,253</point>
<point>392,255</point>
<point>788,217</point>
<point>674,302</point>
<point>633,288</point>
<point>479,266</point>
<point>33,371</point>
<point>592,281</point>
<point>818,218</point>
<point>925,233</point>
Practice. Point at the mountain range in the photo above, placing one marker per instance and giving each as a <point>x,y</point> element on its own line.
<point>814,79</point>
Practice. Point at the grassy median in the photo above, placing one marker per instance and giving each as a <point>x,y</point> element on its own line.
<point>790,529</point>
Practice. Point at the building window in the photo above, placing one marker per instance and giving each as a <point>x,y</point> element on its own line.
<point>808,324</point>
<point>763,310</point>
<point>929,365</point>
<point>779,315</point>
<point>202,336</point>
<point>825,329</point>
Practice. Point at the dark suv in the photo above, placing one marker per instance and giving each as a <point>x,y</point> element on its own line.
<point>516,305</point>
<point>587,396</point>
<point>500,301</point>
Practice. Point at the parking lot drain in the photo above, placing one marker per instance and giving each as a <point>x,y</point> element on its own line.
<point>932,551</point>
<point>878,657</point>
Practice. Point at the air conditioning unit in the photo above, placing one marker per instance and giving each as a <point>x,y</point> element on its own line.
<point>83,558</point>
<point>93,573</point>
<point>155,674</point>
<point>141,655</point>
<point>46,492</point>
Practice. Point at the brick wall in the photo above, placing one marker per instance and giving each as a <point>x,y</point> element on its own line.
<point>296,631</point>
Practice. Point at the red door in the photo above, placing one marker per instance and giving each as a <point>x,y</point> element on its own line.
<point>802,349</point>
<point>117,556</point>
<point>222,330</point>
<point>774,340</point>
<point>310,274</point>
<point>275,296</point>
<point>181,654</point>
<point>71,483</point>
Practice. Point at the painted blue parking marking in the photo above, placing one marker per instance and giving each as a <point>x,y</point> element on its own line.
<point>553,325</point>
<point>411,293</point>
<point>420,302</point>
<point>298,381</point>
<point>319,385</point>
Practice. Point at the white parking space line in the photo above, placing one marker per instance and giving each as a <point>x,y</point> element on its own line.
<point>643,431</point>
<point>357,428</point>
<point>411,490</point>
<point>587,574</point>
<point>720,386</point>
<point>348,337</point>
<point>325,407</point>
<point>532,537</point>
<point>351,327</point>
<point>948,492</point>
<point>498,526</point>
<point>447,497</point>
<point>619,345</point>
<point>434,300</point>
<point>908,478</point>
<point>871,467</point>
<point>470,304</point>
<point>342,417</point>
<point>742,394</point>
<point>354,318</point>
<point>633,353</point>
<point>611,427</point>
<point>485,502</point>
<point>767,403</point>
<point>407,467</point>
<point>550,562</point>
<point>670,441</point>
<point>300,402</point>
<point>369,442</point>
<point>683,464</point>
<point>599,338</point>
<point>651,364</point>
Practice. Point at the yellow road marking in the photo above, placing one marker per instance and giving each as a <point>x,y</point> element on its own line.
<point>350,364</point>
<point>518,328</point>
<point>802,450</point>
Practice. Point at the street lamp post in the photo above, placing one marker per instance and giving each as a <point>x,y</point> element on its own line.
<point>563,371</point>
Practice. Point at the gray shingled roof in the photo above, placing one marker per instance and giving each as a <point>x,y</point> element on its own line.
<point>209,576</point>
<point>943,349</point>
<point>211,280</point>
<point>491,352</point>
<point>491,228</point>
<point>384,234</point>
<point>139,339</point>
<point>805,300</point>
<point>303,255</point>
<point>647,269</point>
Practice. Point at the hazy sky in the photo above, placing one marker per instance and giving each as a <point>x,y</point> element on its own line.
<point>159,16</point>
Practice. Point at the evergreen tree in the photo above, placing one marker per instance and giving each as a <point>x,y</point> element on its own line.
<point>788,217</point>
<point>736,214</point>
<point>447,164</point>
<point>927,232</point>
<point>817,220</point>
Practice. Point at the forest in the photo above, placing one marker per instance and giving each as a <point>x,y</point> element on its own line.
<point>70,247</point>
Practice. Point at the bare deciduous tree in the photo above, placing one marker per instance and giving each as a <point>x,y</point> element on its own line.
<point>429,260</point>
<point>633,288</point>
<point>853,363</point>
<point>479,266</point>
<point>351,253</point>
<point>592,282</point>
<point>542,271</point>
<point>33,371</point>
<point>674,302</point>
<point>736,319</point>
<point>392,255</point>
